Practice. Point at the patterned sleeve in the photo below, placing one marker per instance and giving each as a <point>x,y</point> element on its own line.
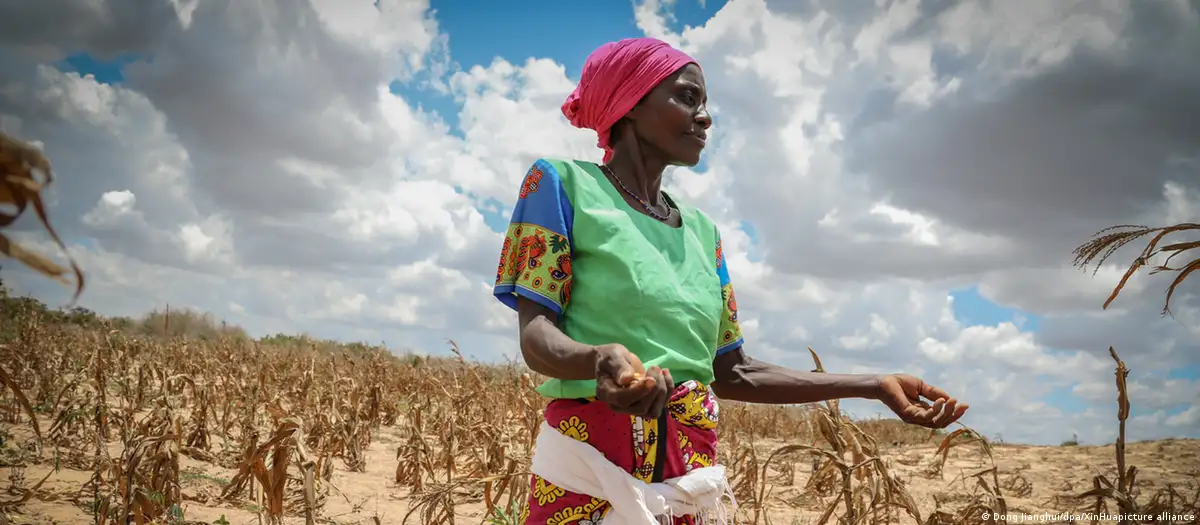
<point>730,334</point>
<point>535,260</point>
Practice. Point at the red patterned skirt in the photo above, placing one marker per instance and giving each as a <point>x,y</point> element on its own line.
<point>651,450</point>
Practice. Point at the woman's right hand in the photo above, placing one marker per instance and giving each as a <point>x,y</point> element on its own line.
<point>623,382</point>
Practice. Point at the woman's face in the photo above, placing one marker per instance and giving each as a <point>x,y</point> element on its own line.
<point>672,119</point>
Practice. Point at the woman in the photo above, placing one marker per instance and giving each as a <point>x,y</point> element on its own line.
<point>624,301</point>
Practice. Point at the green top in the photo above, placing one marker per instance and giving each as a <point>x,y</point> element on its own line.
<point>616,275</point>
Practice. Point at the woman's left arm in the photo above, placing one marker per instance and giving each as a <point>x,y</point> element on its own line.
<point>742,378</point>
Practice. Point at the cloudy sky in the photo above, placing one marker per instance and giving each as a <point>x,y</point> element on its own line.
<point>899,184</point>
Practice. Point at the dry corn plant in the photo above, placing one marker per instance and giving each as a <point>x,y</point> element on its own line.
<point>144,482</point>
<point>7,381</point>
<point>1124,492</point>
<point>987,491</point>
<point>280,490</point>
<point>1106,242</point>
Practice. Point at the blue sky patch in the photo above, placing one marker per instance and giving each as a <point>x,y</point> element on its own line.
<point>430,101</point>
<point>1185,372</point>
<point>492,215</point>
<point>81,240</point>
<point>487,30</point>
<point>754,254</point>
<point>480,32</point>
<point>971,308</point>
<point>105,71</point>
<point>1065,400</point>
<point>690,13</point>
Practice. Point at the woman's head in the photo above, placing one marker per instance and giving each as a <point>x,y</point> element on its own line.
<point>643,90</point>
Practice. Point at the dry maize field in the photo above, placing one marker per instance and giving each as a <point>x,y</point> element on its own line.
<point>101,423</point>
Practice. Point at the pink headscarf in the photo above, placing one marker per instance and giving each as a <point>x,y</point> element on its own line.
<point>615,77</point>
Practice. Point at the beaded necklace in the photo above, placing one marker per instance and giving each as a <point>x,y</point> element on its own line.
<point>608,171</point>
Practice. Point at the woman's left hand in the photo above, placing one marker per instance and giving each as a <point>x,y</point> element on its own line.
<point>902,393</point>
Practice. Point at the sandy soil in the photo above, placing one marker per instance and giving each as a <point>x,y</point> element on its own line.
<point>1034,478</point>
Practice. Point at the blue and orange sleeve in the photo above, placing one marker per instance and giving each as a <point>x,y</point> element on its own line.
<point>535,259</point>
<point>730,333</point>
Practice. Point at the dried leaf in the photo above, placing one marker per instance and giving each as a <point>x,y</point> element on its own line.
<point>19,162</point>
<point>7,380</point>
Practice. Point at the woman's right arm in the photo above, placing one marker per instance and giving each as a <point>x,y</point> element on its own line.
<point>534,275</point>
<point>621,379</point>
<point>547,350</point>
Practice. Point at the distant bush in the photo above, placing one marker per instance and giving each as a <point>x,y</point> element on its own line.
<point>172,323</point>
<point>186,323</point>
